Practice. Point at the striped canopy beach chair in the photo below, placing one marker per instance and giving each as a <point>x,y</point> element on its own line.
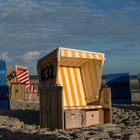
<point>78,72</point>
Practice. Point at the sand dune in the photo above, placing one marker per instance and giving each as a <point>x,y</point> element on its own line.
<point>22,122</point>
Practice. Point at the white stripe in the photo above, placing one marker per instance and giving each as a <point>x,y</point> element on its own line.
<point>62,53</point>
<point>69,53</point>
<point>77,54</point>
<point>75,50</point>
<point>90,55</point>
<point>21,74</point>
<point>74,86</point>
<point>24,81</point>
<point>84,55</point>
<point>28,82</point>
<point>81,86</point>
<point>23,78</point>
<point>68,86</point>
<point>97,56</point>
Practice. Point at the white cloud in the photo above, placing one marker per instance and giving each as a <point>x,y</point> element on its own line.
<point>30,56</point>
<point>5,56</point>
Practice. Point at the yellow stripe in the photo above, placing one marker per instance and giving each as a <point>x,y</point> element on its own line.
<point>73,54</point>
<point>65,86</point>
<point>94,56</point>
<point>71,85</point>
<point>74,86</point>
<point>64,61</point>
<point>87,55</point>
<point>59,79</point>
<point>75,61</point>
<point>78,86</point>
<point>80,54</point>
<point>73,98</point>
<point>68,86</point>
<point>65,53</point>
<point>82,91</point>
<point>100,56</point>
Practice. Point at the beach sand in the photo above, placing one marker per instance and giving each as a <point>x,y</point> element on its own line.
<point>22,122</point>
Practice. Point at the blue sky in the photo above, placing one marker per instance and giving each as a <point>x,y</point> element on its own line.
<point>29,29</point>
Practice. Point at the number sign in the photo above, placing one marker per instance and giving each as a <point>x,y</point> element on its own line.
<point>11,76</point>
<point>47,73</point>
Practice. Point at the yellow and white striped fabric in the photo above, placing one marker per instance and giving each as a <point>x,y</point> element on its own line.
<point>79,73</point>
<point>73,90</point>
<point>76,58</point>
<point>81,54</point>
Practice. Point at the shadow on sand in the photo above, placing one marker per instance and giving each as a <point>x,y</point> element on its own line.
<point>6,134</point>
<point>27,116</point>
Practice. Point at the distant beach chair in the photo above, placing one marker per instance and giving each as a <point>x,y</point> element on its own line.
<point>4,91</point>
<point>120,88</point>
<point>138,77</point>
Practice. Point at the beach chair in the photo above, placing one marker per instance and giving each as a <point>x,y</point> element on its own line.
<point>19,82</point>
<point>138,77</point>
<point>69,83</point>
<point>4,91</point>
<point>120,88</point>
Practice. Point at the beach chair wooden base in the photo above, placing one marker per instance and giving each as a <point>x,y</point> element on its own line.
<point>73,119</point>
<point>77,118</point>
<point>92,117</point>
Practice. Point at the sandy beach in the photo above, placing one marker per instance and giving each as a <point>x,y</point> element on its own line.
<point>22,122</point>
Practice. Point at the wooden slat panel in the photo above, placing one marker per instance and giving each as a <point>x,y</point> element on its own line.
<point>18,91</point>
<point>107,115</point>
<point>72,119</point>
<point>54,110</point>
<point>13,94</point>
<point>105,98</point>
<point>92,118</point>
<point>105,101</point>
<point>60,113</point>
<point>51,108</point>
<point>42,111</point>
<point>48,61</point>
<point>48,107</point>
<point>101,116</point>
